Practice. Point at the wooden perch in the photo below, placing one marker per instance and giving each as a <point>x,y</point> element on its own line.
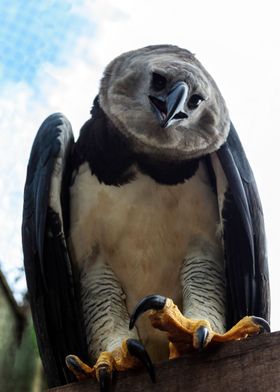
<point>241,366</point>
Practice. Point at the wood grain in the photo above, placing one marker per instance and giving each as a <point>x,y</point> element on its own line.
<point>240,366</point>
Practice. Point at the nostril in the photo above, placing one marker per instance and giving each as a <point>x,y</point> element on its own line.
<point>180,116</point>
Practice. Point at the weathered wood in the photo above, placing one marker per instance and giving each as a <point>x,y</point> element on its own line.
<point>241,366</point>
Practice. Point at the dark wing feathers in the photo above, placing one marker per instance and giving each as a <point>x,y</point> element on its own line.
<point>48,271</point>
<point>244,236</point>
<point>237,190</point>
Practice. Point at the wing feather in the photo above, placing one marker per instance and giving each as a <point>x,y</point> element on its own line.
<point>243,234</point>
<point>50,280</point>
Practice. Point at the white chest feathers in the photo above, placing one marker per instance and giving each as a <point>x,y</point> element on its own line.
<point>141,227</point>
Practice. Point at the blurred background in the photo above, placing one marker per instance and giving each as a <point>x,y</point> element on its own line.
<point>52,54</point>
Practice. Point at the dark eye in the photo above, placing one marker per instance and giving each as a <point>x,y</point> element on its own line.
<point>194,101</point>
<point>158,82</point>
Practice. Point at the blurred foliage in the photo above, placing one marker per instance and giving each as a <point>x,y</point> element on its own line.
<point>20,365</point>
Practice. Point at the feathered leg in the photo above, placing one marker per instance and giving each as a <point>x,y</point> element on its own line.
<point>106,319</point>
<point>202,319</point>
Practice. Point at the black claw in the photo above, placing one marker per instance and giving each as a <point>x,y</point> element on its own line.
<point>155,302</point>
<point>105,379</point>
<point>264,326</point>
<point>136,349</point>
<point>202,334</point>
<point>74,365</point>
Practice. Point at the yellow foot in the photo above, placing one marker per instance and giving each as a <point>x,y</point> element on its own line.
<point>185,334</point>
<point>129,356</point>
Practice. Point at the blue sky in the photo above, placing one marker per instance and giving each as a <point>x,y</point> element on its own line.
<point>52,55</point>
<point>34,32</point>
<point>35,37</point>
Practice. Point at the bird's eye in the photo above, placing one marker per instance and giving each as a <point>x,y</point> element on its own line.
<point>158,82</point>
<point>194,101</point>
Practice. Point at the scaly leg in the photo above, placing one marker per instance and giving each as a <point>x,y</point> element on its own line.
<point>129,356</point>
<point>203,317</point>
<point>185,334</point>
<point>106,319</point>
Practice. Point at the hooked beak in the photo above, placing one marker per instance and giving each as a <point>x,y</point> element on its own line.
<point>171,108</point>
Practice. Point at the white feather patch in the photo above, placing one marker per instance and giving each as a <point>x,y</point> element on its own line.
<point>143,231</point>
<point>64,138</point>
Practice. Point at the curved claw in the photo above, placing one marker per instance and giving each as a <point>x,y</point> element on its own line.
<point>105,379</point>
<point>150,302</point>
<point>136,349</point>
<point>78,367</point>
<point>201,336</point>
<point>262,323</point>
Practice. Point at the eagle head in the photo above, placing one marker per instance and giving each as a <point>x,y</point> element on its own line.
<point>165,102</point>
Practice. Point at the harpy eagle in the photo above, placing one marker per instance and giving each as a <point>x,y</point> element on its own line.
<point>154,207</point>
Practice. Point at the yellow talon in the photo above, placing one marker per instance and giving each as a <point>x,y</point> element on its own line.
<point>185,334</point>
<point>129,355</point>
<point>80,369</point>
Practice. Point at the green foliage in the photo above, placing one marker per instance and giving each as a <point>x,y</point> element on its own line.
<point>20,365</point>
<point>26,361</point>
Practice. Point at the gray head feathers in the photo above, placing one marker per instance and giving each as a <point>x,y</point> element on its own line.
<point>135,92</point>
